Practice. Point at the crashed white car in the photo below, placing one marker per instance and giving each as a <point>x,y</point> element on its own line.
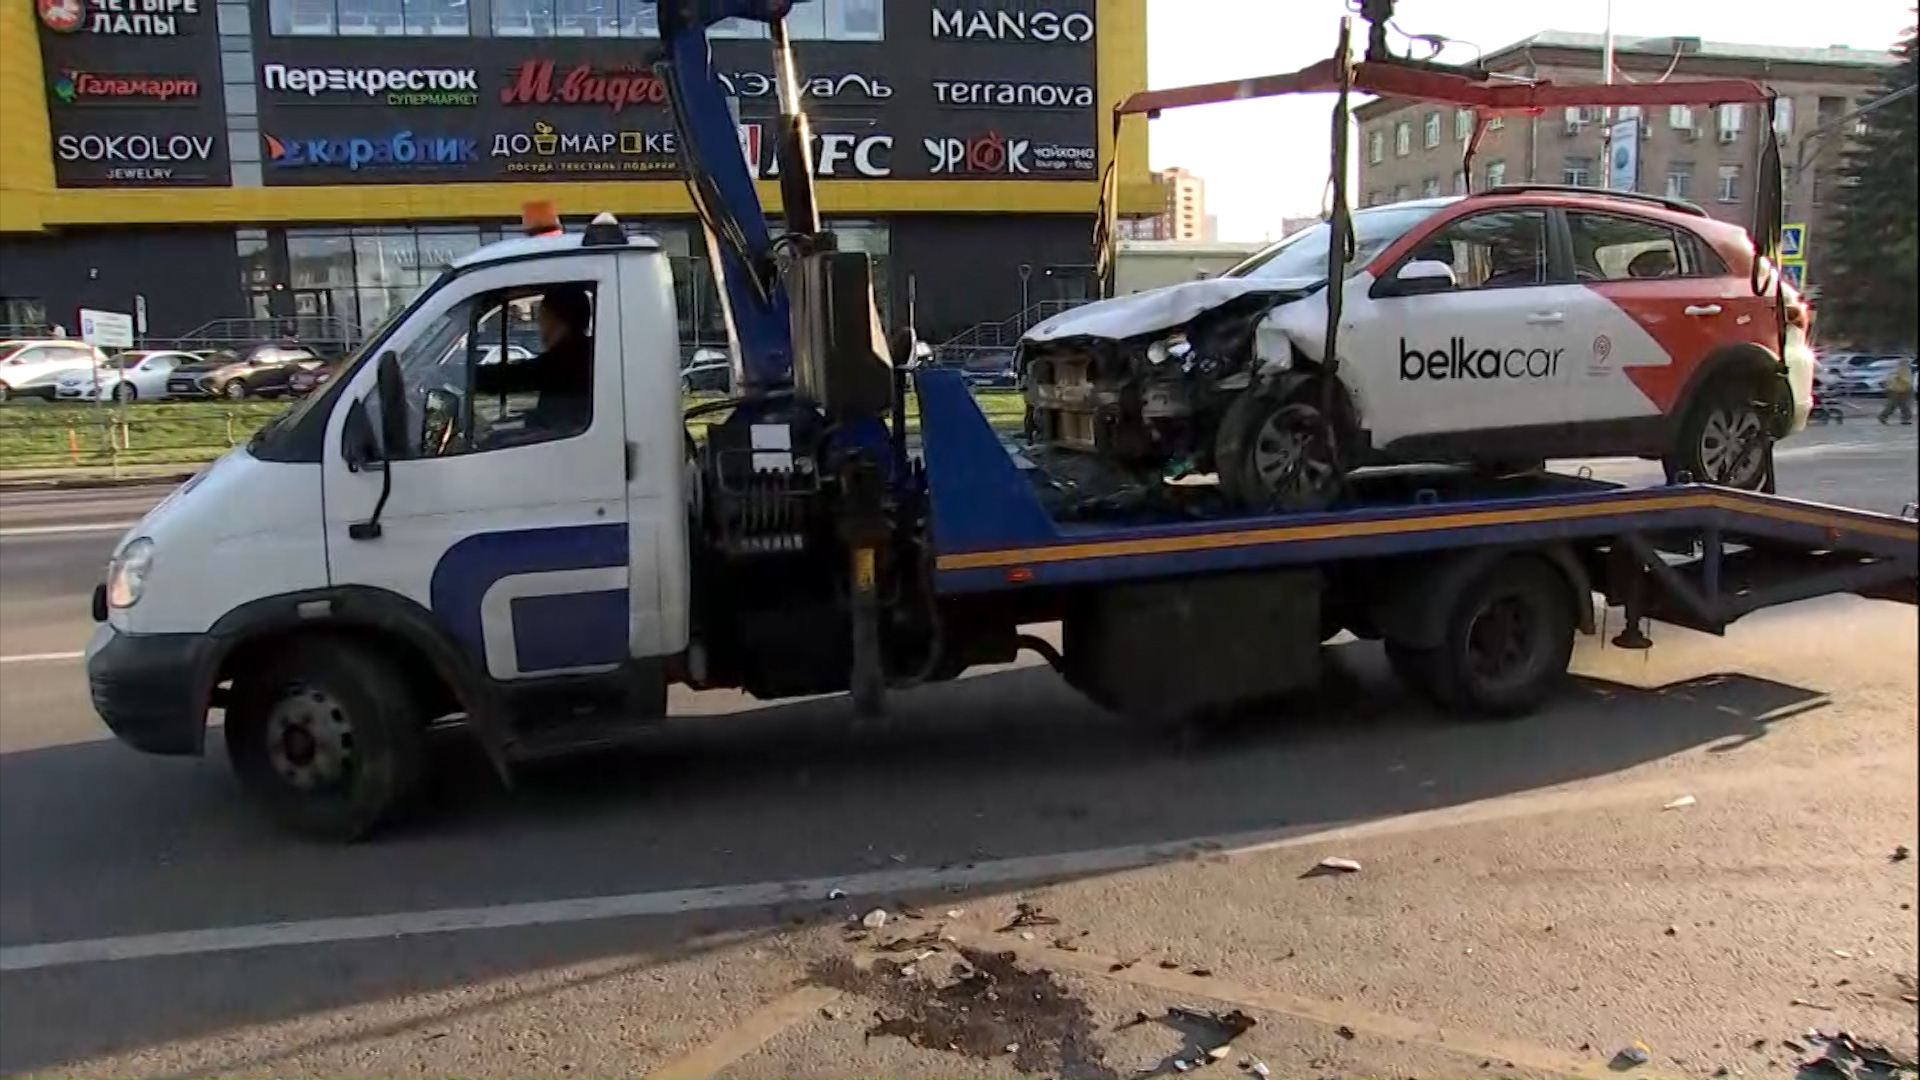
<point>1496,330</point>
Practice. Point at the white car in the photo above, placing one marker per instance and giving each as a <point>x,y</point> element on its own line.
<point>1496,330</point>
<point>34,368</point>
<point>130,376</point>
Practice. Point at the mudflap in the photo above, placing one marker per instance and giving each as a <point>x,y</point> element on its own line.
<point>1178,649</point>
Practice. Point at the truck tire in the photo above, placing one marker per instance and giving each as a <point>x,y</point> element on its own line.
<point>1272,455</point>
<point>327,738</point>
<point>1721,419</point>
<point>1505,644</point>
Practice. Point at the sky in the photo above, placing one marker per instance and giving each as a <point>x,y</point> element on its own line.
<point>1265,160</point>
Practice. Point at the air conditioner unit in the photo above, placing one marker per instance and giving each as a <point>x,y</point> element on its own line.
<point>1690,134</point>
<point>1729,136</point>
<point>1645,133</point>
<point>1574,127</point>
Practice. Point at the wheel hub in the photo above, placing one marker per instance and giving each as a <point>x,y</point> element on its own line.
<point>309,739</point>
<point>1287,455</point>
<point>1502,640</point>
<point>1732,444</point>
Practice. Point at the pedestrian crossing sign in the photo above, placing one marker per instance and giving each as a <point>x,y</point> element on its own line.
<point>1796,274</point>
<point>1792,242</point>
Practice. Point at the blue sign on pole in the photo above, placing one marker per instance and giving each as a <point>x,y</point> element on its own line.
<point>1796,273</point>
<point>1792,241</point>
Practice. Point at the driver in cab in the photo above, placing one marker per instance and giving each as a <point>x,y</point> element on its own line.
<point>561,376</point>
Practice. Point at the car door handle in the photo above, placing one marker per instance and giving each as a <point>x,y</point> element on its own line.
<point>1703,309</point>
<point>1546,318</point>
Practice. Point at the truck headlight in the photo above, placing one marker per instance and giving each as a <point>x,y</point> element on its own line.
<point>127,574</point>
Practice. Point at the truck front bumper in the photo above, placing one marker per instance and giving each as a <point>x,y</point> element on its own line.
<point>147,688</point>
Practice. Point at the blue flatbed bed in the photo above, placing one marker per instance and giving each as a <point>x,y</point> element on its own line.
<point>992,534</point>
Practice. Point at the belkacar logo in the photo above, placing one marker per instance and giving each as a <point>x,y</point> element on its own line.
<point>1461,360</point>
<point>401,150</point>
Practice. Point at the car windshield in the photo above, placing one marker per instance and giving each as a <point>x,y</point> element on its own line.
<point>1304,254</point>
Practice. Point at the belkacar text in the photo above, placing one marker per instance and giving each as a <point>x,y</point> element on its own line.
<point>1460,360</point>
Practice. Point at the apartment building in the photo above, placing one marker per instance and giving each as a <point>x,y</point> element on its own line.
<point>1184,215</point>
<point>1709,157</point>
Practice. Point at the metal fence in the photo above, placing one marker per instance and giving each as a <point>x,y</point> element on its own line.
<point>114,436</point>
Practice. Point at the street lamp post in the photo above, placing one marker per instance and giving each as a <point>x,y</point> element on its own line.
<point>1606,113</point>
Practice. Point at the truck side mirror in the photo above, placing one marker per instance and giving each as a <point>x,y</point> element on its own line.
<point>392,391</point>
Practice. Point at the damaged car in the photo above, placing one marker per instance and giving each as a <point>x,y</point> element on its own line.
<point>1494,330</point>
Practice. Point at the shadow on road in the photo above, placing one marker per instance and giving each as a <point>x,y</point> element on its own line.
<point>1002,765</point>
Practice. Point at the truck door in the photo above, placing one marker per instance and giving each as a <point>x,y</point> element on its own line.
<point>508,516</point>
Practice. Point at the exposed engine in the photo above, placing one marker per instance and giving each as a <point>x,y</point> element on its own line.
<point>1147,403</point>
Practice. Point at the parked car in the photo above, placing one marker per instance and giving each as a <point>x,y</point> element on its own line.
<point>34,367</point>
<point>137,375</point>
<point>1494,330</point>
<point>305,380</point>
<point>1867,377</point>
<point>264,370</point>
<point>996,370</point>
<point>710,371</point>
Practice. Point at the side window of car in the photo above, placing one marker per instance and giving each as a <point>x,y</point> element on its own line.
<point>474,383</point>
<point>1497,249</point>
<point>1613,247</point>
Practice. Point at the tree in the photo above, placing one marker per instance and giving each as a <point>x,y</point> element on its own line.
<point>1873,261</point>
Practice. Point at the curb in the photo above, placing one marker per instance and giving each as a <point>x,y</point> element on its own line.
<point>82,483</point>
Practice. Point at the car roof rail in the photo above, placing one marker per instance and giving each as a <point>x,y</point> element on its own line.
<point>1677,205</point>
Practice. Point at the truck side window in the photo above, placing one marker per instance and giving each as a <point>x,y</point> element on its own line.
<point>503,369</point>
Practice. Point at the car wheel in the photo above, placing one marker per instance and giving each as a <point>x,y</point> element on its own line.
<point>125,392</point>
<point>1275,455</point>
<point>234,390</point>
<point>326,738</point>
<point>1724,439</point>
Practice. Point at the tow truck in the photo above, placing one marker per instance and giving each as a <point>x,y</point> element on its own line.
<point>368,566</point>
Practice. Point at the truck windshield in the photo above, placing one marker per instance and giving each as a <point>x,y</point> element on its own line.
<point>1304,254</point>
<point>368,344</point>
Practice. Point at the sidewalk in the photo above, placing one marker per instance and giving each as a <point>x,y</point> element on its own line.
<point>97,476</point>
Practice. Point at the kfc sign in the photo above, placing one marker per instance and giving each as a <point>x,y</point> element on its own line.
<point>983,24</point>
<point>836,154</point>
<point>534,83</point>
<point>754,84</point>
<point>993,154</point>
<point>137,18</point>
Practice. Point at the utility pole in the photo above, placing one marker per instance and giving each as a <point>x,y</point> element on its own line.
<point>1606,113</point>
<point>1802,200</point>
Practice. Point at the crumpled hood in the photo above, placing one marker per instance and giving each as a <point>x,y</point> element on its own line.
<point>1157,309</point>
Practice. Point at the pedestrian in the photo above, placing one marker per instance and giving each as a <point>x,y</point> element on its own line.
<point>1899,393</point>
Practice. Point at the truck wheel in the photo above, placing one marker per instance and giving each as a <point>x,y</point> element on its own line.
<point>1724,439</point>
<point>326,738</point>
<point>1505,644</point>
<point>1273,455</point>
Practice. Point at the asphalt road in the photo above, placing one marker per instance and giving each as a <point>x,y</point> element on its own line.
<point>1526,906</point>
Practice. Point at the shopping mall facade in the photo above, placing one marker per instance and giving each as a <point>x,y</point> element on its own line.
<point>206,160</point>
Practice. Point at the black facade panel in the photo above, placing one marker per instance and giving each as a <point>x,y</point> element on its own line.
<point>966,269</point>
<point>189,276</point>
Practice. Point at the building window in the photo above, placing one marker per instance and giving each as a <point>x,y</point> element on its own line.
<point>1495,123</point>
<point>1680,118</point>
<point>1400,193</point>
<point>1496,173</point>
<point>1430,187</point>
<point>1729,183</point>
<point>1376,147</point>
<point>1783,116</point>
<point>1627,112</point>
<point>1731,117</point>
<point>1460,182</point>
<point>1430,131</point>
<point>1578,172</point>
<point>369,18</point>
<point>1829,109</point>
<point>1373,199</point>
<point>1463,124</point>
<point>1680,180</point>
<point>1402,139</point>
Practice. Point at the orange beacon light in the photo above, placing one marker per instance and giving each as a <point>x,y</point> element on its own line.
<point>539,219</point>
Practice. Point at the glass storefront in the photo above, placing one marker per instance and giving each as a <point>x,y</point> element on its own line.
<point>339,281</point>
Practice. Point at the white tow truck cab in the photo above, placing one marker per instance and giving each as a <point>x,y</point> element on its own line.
<point>482,553</point>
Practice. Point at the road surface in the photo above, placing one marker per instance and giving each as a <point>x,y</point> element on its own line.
<point>1525,904</point>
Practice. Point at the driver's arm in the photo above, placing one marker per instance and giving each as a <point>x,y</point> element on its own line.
<point>506,377</point>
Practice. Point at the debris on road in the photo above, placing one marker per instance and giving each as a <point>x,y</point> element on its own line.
<point>1846,1057</point>
<point>1333,864</point>
<point>1344,1032</point>
<point>1805,1004</point>
<point>1631,1056</point>
<point>875,919</point>
<point>1026,915</point>
<point>1258,1068</point>
<point>1900,854</point>
<point>1680,803</point>
<point>836,894</point>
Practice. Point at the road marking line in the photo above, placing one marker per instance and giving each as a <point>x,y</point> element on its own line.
<point>68,530</point>
<point>1327,1013</point>
<point>1652,792</point>
<point>40,658</point>
<point>748,1035</point>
